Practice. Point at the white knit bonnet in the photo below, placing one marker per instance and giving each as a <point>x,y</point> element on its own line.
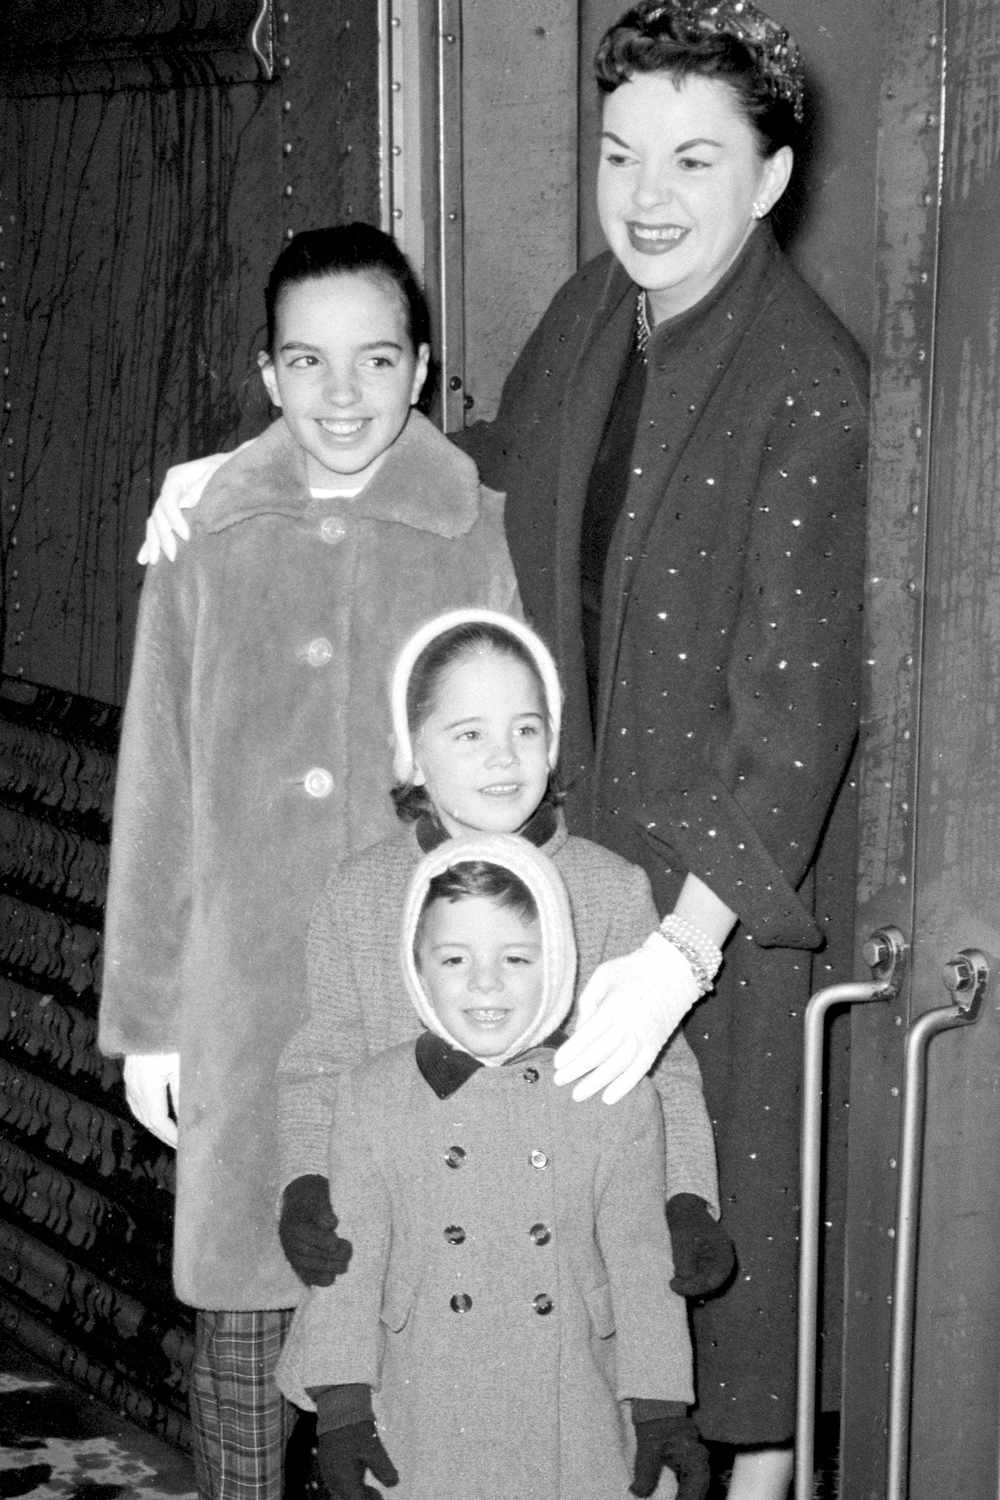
<point>544,882</point>
<point>403,758</point>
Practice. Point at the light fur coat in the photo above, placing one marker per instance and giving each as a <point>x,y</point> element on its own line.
<point>255,754</point>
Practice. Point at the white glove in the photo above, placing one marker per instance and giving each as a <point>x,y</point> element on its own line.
<point>182,489</point>
<point>629,1010</point>
<point>152,1082</point>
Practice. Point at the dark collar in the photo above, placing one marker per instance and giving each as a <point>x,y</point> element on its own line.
<point>539,829</point>
<point>446,1068</point>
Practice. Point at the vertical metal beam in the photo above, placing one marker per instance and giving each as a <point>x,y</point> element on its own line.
<point>451,224</point>
<point>420,118</point>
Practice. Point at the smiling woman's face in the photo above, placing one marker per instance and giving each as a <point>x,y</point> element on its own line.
<point>679,175</point>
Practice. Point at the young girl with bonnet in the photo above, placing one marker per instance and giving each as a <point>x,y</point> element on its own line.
<point>507,1315</point>
<point>253,753</point>
<point>476,711</point>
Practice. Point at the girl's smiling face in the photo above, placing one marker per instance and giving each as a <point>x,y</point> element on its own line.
<point>679,177</point>
<point>482,751</point>
<point>343,371</point>
<point>480,963</point>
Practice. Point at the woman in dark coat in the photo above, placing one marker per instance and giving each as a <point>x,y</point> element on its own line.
<point>682,445</point>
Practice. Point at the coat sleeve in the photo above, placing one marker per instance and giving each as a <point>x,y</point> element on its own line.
<point>150,878</point>
<point>652,1345</point>
<point>336,1335</point>
<point>630,916</point>
<point>747,815</point>
<point>330,1040</point>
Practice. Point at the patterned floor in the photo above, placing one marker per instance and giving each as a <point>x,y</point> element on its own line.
<point>56,1440</point>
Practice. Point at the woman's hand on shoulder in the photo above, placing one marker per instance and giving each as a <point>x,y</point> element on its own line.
<point>629,1009</point>
<point>183,485</point>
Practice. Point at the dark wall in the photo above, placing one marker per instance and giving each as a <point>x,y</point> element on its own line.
<point>143,201</point>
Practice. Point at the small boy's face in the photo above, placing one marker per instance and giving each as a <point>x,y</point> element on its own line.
<point>481,966</point>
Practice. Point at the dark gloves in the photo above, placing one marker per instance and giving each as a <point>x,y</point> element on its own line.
<point>704,1256</point>
<point>345,1456</point>
<point>307,1230</point>
<point>672,1443</point>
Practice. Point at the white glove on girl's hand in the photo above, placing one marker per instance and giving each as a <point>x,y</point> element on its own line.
<point>182,489</point>
<point>152,1082</point>
<point>629,1010</point>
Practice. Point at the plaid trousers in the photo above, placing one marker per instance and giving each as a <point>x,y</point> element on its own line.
<point>240,1420</point>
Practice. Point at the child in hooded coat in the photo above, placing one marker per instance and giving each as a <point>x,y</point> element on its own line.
<point>508,1303</point>
<point>476,711</point>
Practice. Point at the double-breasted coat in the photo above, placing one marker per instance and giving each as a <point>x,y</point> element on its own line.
<point>509,1287</point>
<point>727,699</point>
<point>255,755</point>
<point>358,1005</point>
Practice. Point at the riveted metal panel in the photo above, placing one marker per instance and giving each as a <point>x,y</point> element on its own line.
<point>143,224</point>
<point>930,809</point>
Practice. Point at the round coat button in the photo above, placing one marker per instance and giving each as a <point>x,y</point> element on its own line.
<point>530,1075</point>
<point>455,1157</point>
<point>318,782</point>
<point>538,1160</point>
<point>543,1304</point>
<point>455,1234</point>
<point>332,530</point>
<point>540,1234</point>
<point>319,652</point>
<point>461,1302</point>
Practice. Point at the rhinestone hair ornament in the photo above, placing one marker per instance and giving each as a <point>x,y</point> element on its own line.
<point>778,57</point>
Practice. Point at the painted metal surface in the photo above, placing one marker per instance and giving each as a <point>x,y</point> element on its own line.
<point>138,230</point>
<point>930,805</point>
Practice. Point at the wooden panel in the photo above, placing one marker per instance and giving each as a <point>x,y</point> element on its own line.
<point>140,229</point>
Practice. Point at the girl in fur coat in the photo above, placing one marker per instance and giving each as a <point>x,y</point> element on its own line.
<point>254,753</point>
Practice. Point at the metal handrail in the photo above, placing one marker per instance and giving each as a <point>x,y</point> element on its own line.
<point>819,1006</point>
<point>929,1025</point>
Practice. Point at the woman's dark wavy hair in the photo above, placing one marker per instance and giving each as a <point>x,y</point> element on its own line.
<point>345,249</point>
<point>653,38</point>
<point>444,651</point>
<point>478,877</point>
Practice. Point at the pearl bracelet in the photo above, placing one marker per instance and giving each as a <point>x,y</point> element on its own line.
<point>704,956</point>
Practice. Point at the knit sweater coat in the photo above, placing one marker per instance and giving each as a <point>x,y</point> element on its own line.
<point>509,1286</point>
<point>727,700</point>
<point>358,1004</point>
<point>255,751</point>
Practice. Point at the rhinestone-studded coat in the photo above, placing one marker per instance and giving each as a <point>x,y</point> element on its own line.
<point>727,712</point>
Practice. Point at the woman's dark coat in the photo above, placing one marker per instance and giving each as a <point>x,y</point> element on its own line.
<point>727,708</point>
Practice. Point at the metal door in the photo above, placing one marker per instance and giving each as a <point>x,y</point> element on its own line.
<point>930,791</point>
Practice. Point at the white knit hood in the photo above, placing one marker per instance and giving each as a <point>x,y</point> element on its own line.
<point>403,763</point>
<point>544,882</point>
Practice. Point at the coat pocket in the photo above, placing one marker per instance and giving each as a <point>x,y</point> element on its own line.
<point>397,1303</point>
<point>601,1310</point>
